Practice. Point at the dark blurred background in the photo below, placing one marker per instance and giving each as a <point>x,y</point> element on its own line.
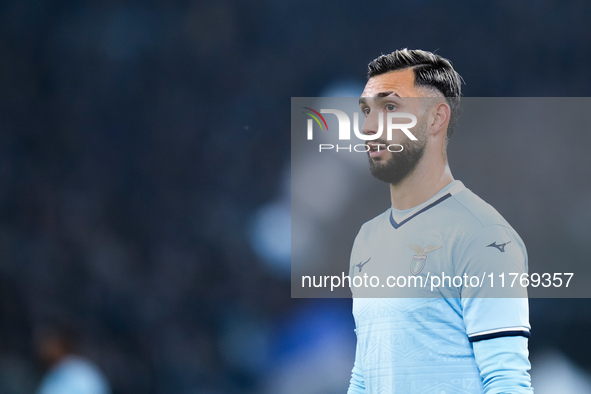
<point>144,144</point>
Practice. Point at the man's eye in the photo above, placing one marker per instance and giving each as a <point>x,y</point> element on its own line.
<point>365,111</point>
<point>390,107</point>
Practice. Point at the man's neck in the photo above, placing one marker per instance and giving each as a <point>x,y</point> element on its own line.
<point>420,185</point>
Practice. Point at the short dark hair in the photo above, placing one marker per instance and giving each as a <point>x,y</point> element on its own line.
<point>430,70</point>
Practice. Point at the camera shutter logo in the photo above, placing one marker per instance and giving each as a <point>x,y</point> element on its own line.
<point>314,116</point>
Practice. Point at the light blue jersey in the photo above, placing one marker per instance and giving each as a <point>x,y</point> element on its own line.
<point>458,337</point>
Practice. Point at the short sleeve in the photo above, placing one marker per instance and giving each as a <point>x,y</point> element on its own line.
<point>494,305</point>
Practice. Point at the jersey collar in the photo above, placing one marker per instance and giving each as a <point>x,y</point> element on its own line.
<point>398,217</point>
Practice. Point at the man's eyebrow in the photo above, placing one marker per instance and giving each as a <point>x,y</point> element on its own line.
<point>386,94</point>
<point>363,100</point>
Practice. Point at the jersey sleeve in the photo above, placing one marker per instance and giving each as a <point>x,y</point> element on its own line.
<point>357,382</point>
<point>355,253</point>
<point>504,365</point>
<point>496,314</point>
<point>357,257</point>
<point>495,305</point>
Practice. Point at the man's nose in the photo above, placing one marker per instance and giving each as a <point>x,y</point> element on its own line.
<point>371,123</point>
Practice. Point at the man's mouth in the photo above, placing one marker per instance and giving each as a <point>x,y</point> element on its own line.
<point>376,149</point>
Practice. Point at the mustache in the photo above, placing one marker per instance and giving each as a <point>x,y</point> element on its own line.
<point>377,141</point>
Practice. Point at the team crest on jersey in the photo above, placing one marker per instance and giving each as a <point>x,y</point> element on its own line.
<point>419,259</point>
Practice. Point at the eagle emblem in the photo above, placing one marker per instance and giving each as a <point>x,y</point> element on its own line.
<point>419,259</point>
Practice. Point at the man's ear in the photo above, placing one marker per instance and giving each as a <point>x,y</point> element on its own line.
<point>440,115</point>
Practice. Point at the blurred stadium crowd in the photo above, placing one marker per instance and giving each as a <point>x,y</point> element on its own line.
<point>139,138</point>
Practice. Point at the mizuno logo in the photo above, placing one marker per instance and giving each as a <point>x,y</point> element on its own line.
<point>362,264</point>
<point>501,247</point>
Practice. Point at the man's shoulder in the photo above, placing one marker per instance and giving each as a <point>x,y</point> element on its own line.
<point>376,222</point>
<point>476,212</point>
<point>456,209</point>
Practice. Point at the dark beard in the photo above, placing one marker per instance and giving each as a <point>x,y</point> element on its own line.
<point>399,165</point>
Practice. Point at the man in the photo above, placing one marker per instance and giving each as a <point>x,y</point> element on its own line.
<point>466,338</point>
